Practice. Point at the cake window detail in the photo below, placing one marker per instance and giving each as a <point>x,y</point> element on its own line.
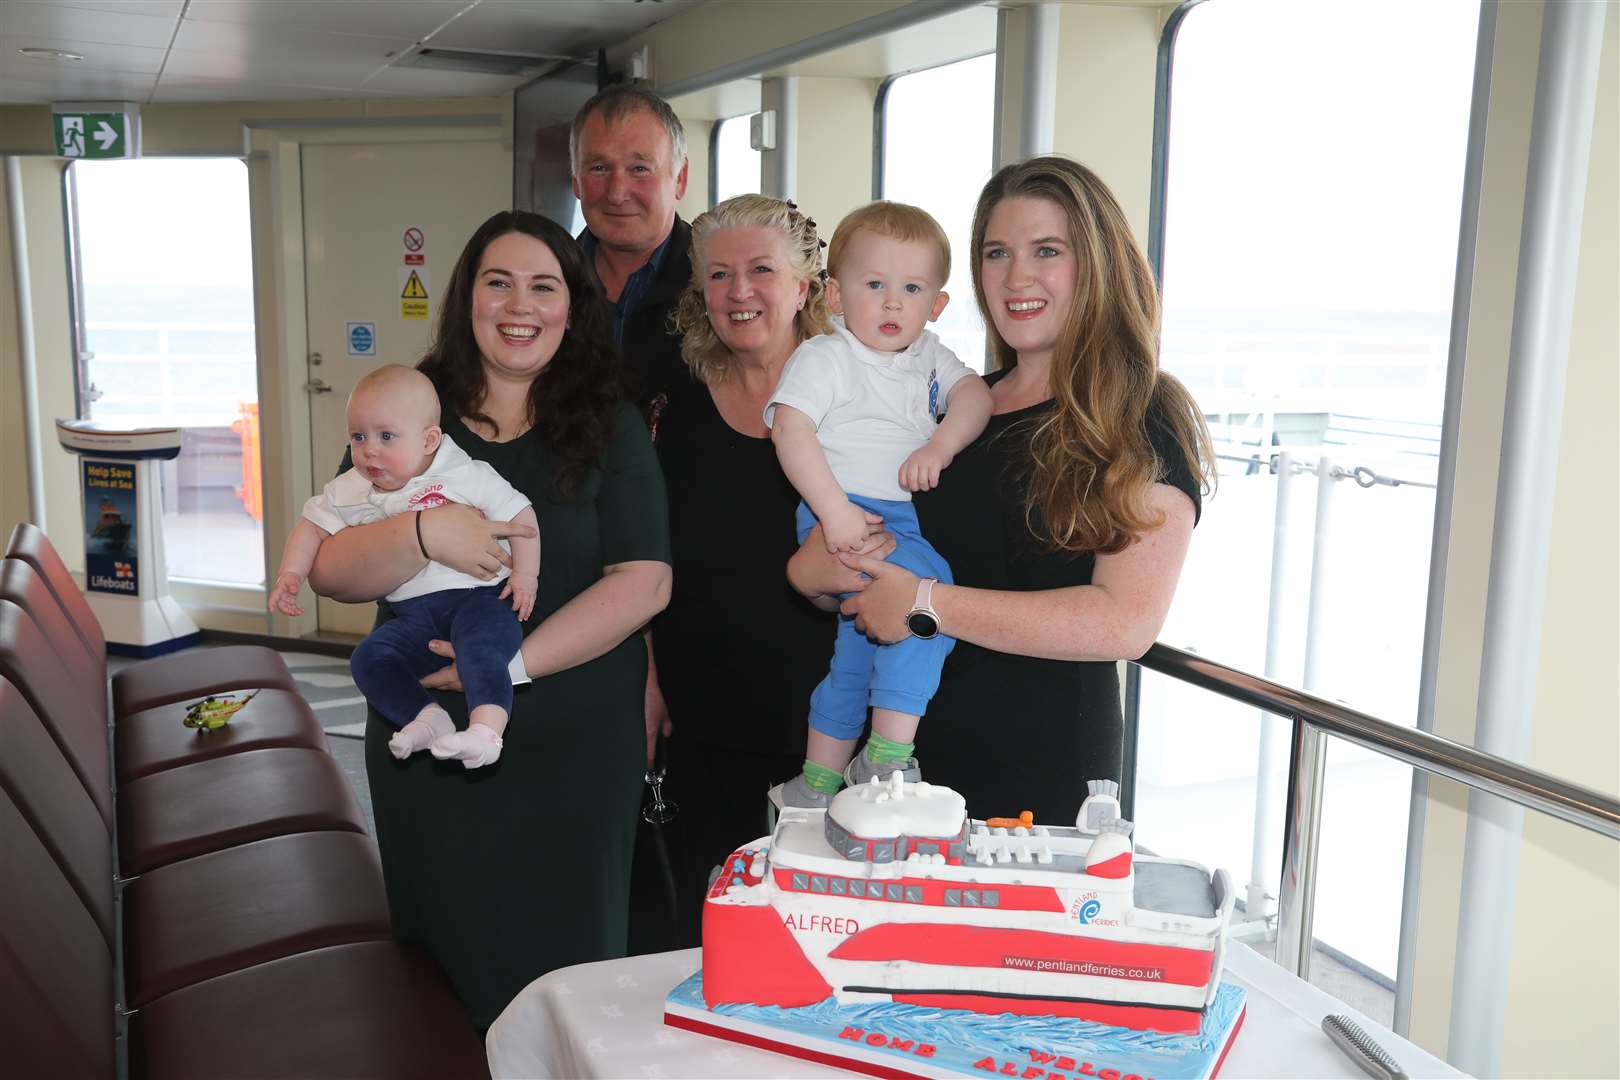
<point>801,881</point>
<point>857,888</point>
<point>818,883</point>
<point>837,886</point>
<point>914,894</point>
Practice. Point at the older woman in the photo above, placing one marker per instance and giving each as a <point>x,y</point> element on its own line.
<point>735,676</point>
<point>1066,523</point>
<point>508,871</point>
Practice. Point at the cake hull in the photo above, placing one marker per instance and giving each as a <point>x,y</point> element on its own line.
<point>897,1040</point>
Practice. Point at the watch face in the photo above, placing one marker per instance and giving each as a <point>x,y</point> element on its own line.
<point>922,624</point>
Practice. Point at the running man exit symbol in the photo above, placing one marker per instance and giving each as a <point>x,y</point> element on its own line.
<point>93,134</point>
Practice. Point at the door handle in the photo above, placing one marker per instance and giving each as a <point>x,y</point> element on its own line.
<point>317,386</point>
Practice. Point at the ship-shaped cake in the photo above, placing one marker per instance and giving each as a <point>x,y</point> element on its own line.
<point>892,896</point>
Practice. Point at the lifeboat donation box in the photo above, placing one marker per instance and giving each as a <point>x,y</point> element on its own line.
<point>126,576</point>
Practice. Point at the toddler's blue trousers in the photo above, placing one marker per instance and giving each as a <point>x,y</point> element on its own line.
<point>902,676</point>
<point>389,663</point>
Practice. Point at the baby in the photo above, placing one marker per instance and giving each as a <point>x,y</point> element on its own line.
<point>404,463</point>
<point>857,426</point>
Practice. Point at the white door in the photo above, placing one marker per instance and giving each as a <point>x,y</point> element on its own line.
<point>383,224</point>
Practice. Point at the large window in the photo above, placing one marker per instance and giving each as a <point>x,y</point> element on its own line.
<point>938,133</point>
<point>1313,201</point>
<point>735,162</point>
<point>165,281</point>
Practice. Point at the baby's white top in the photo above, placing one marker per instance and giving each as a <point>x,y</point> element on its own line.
<point>871,409</point>
<point>452,476</point>
<point>878,810</point>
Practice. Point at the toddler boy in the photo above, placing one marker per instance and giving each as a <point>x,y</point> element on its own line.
<point>863,417</point>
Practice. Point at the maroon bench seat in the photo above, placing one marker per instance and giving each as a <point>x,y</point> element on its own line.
<point>56,969</point>
<point>372,1009</point>
<point>42,786</point>
<point>66,705</point>
<point>157,739</point>
<point>231,909</point>
<point>179,677</point>
<point>194,809</point>
<point>159,681</point>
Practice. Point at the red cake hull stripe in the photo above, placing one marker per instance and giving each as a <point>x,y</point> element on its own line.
<point>1139,1017</point>
<point>791,1049</point>
<point>1231,1037</point>
<point>1010,897</point>
<point>1034,951</point>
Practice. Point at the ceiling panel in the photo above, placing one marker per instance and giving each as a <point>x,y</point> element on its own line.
<point>190,89</point>
<point>83,24</point>
<point>279,55</point>
<point>412,19</point>
<point>87,86</point>
<point>124,59</point>
<point>165,9</point>
<point>553,26</point>
<point>428,82</point>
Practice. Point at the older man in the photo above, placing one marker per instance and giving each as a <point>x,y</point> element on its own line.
<point>628,154</point>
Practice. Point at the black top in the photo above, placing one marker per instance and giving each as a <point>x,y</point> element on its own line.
<point>511,870</point>
<point>1013,732</point>
<point>652,351</point>
<point>738,650</point>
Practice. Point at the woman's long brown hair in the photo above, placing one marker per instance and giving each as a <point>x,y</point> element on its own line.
<point>1092,460</point>
<point>573,400</point>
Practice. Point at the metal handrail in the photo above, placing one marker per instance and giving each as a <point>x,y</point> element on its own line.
<point>1517,783</point>
<point>1312,718</point>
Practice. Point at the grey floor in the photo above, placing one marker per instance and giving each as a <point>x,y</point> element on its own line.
<point>325,683</point>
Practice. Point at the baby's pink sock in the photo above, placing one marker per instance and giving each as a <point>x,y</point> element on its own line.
<point>419,734</point>
<point>474,748</point>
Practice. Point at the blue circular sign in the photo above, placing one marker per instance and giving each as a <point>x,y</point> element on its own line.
<point>360,339</point>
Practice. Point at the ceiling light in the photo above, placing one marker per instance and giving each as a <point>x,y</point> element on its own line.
<point>51,54</point>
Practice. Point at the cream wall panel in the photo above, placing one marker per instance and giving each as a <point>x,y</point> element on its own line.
<point>696,199</point>
<point>1107,59</point>
<point>835,148</point>
<point>722,32</point>
<point>217,128</point>
<point>1565,973</point>
<point>1468,558</point>
<point>13,466</point>
<point>53,350</point>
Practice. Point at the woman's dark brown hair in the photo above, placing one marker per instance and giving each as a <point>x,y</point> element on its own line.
<point>573,399</point>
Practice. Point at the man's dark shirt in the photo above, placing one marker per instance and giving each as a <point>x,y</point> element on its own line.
<point>643,315</point>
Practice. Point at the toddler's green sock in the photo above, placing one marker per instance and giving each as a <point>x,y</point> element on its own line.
<point>820,778</point>
<point>881,751</point>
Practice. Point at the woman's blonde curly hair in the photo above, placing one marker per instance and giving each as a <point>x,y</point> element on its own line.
<point>702,348</point>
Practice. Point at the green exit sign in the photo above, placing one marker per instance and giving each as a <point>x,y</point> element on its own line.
<point>96,130</point>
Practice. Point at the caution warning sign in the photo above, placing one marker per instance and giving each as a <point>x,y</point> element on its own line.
<point>413,296</point>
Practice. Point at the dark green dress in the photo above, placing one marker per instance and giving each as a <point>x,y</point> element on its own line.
<point>506,872</point>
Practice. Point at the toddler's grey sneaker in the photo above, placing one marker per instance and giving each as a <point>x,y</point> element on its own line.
<point>860,770</point>
<point>796,793</point>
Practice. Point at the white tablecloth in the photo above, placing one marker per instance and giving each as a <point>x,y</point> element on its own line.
<point>607,1020</point>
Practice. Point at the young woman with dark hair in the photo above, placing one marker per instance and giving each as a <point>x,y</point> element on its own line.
<point>506,872</point>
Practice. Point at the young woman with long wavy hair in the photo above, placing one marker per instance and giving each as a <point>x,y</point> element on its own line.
<point>1066,523</point>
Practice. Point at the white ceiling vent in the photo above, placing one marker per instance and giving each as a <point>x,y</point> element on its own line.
<point>480,61</point>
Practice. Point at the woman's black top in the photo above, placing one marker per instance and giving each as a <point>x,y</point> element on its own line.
<point>1013,732</point>
<point>738,651</point>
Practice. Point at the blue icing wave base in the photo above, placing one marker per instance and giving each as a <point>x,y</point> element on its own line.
<point>962,1040</point>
